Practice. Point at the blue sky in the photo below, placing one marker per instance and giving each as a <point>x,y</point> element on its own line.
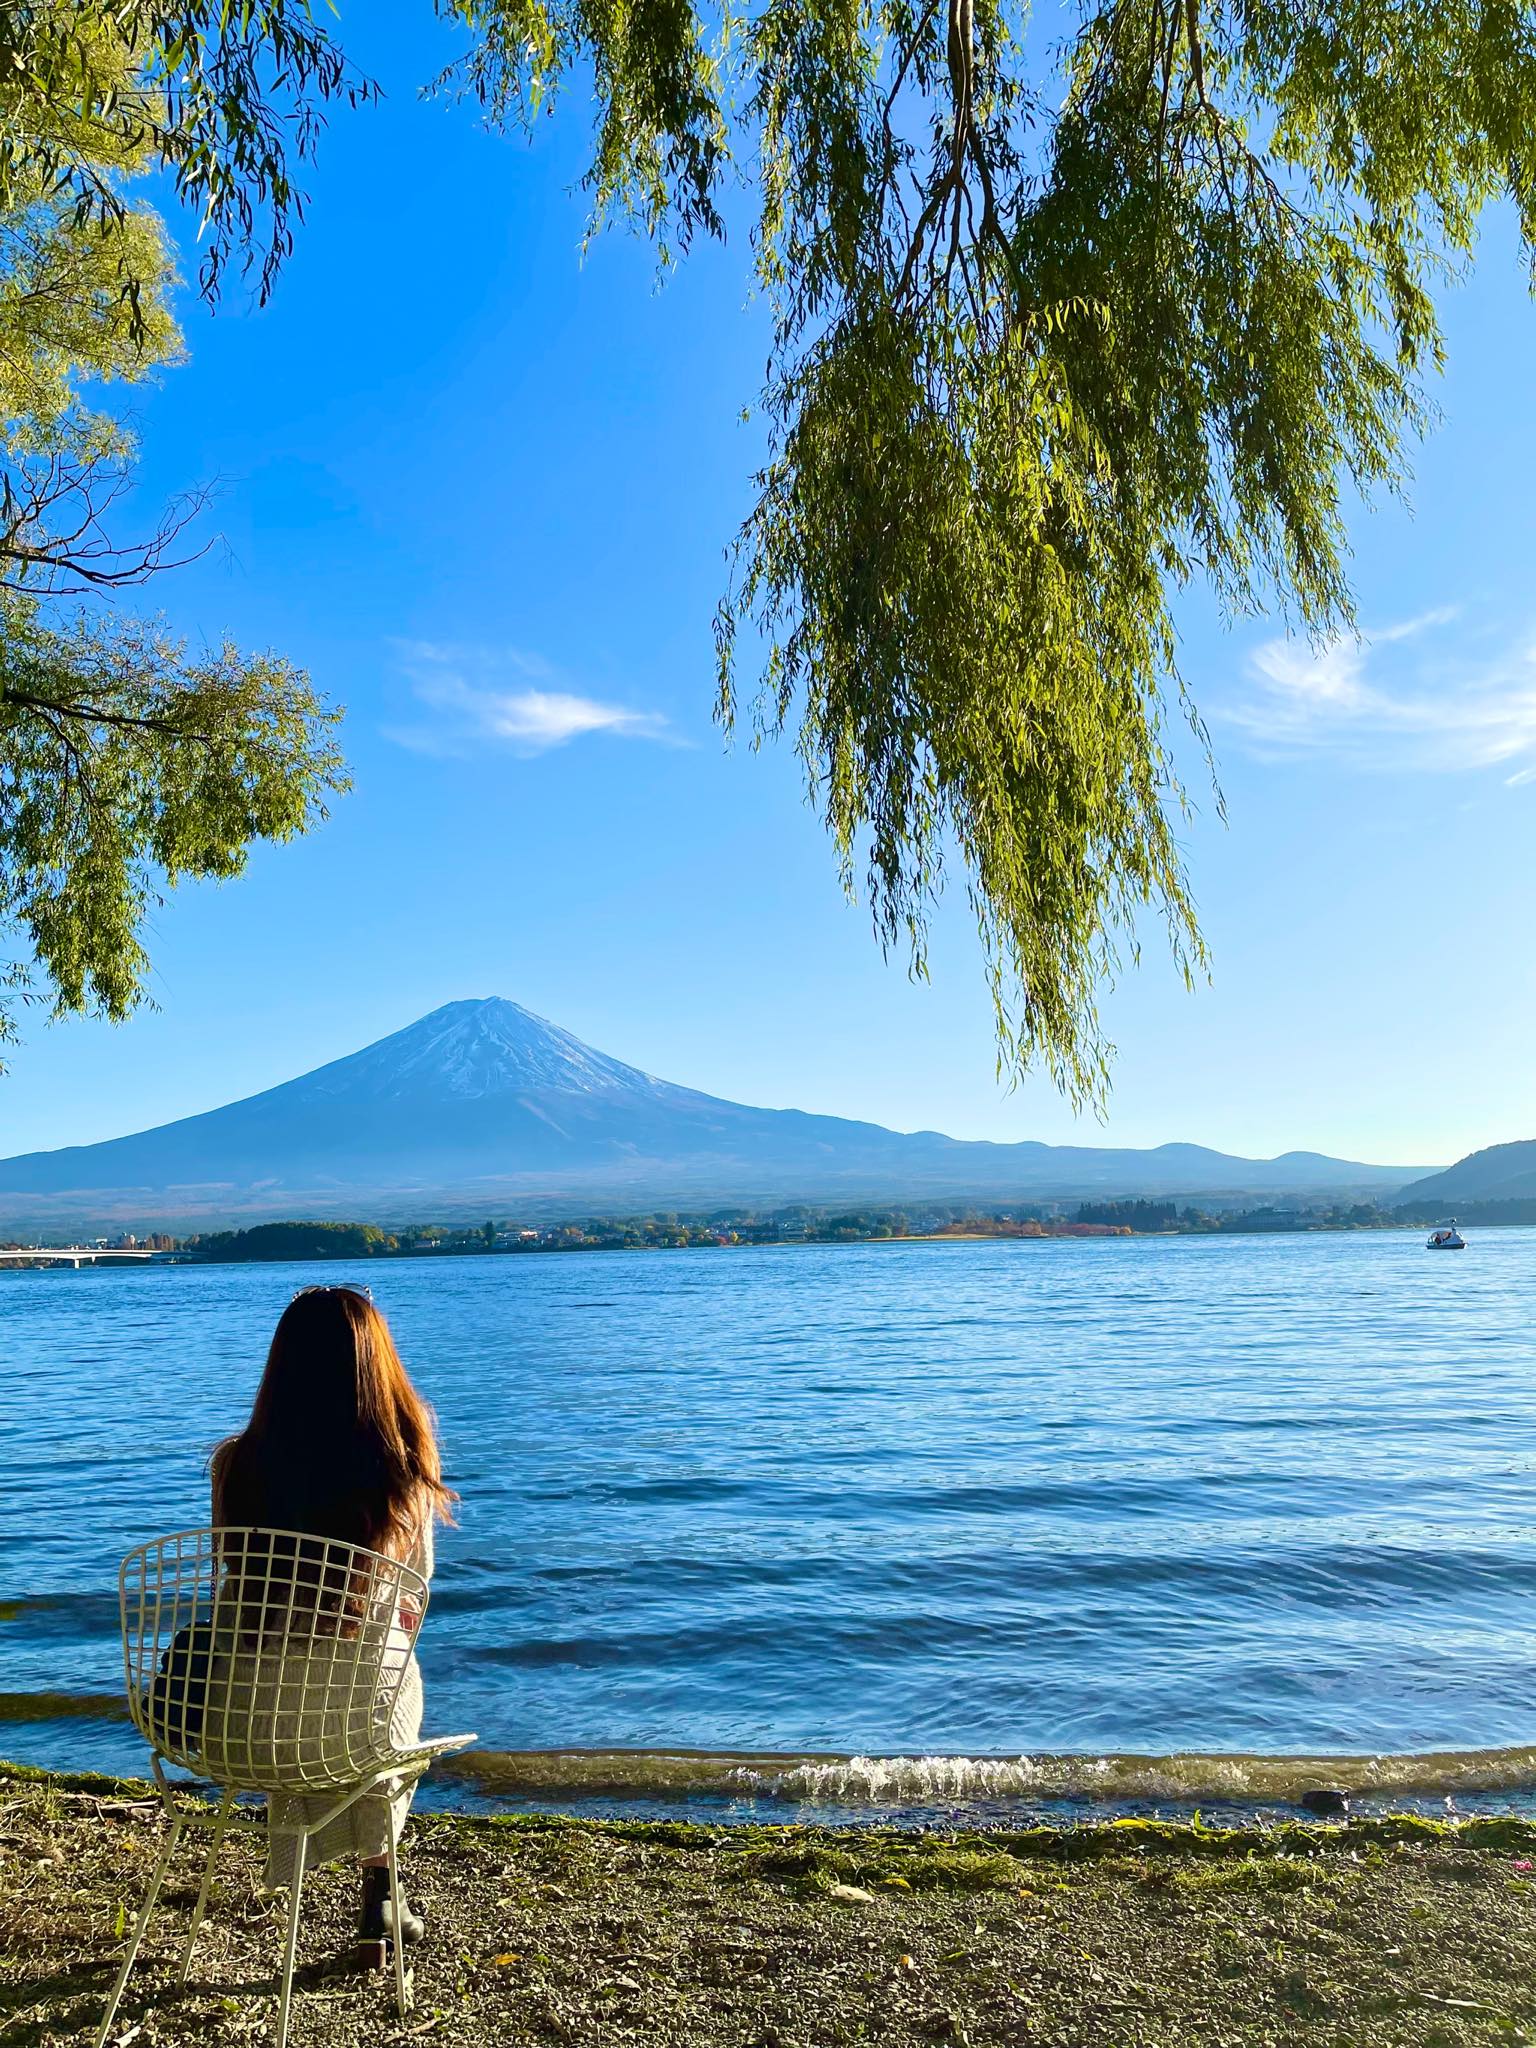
<point>482,489</point>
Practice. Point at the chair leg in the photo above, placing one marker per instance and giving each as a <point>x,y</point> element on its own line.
<point>398,1944</point>
<point>207,1886</point>
<point>157,1878</point>
<point>291,1938</point>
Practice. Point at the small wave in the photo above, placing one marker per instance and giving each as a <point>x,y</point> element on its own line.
<point>642,1780</point>
<point>1260,1780</point>
<point>924,1782</point>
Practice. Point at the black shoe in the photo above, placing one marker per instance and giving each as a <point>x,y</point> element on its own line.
<point>378,1917</point>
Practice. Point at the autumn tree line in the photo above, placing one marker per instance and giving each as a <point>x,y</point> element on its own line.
<point>723,1228</point>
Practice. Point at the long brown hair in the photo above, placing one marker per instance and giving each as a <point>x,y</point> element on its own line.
<point>339,1443</point>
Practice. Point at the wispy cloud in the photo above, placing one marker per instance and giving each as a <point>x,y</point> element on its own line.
<point>1400,696</point>
<point>506,698</point>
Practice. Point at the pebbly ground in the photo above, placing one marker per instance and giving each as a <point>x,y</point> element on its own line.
<point>557,1931</point>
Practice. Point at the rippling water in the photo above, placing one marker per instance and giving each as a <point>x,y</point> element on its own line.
<point>1066,1509</point>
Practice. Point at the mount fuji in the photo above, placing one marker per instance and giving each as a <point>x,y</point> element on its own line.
<point>482,1107</point>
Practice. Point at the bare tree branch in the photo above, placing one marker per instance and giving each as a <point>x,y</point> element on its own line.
<point>53,526</point>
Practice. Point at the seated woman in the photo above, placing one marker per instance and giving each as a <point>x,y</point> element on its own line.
<point>341,1445</point>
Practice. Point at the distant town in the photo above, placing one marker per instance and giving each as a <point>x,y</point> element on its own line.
<point>725,1228</point>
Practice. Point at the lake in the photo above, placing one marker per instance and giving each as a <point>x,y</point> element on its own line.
<point>895,1528</point>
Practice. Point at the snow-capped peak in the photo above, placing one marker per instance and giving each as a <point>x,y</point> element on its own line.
<point>476,1048</point>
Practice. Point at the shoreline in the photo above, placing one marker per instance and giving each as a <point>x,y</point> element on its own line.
<point>852,1788</point>
<point>1381,1933</point>
<point>799,1227</point>
<point>16,1261</point>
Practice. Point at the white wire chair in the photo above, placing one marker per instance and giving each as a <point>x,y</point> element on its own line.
<point>268,1661</point>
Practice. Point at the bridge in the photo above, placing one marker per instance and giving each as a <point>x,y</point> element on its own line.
<point>76,1255</point>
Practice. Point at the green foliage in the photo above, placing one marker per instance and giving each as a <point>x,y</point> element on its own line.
<point>83,296</point>
<point>724,1229</point>
<point>125,765</point>
<point>223,96</point>
<point>76,302</point>
<point>1023,393</point>
<point>1057,331</point>
<point>122,763</point>
<point>265,1241</point>
<point>1138,1212</point>
<point>1050,342</point>
<point>660,141</point>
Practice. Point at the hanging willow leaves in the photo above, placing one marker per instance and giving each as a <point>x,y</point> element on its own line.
<point>228,96</point>
<point>1058,330</point>
<point>1060,326</point>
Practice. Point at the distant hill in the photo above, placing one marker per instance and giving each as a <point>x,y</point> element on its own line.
<point>1499,1173</point>
<point>483,1108</point>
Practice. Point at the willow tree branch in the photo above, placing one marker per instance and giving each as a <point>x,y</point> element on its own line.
<point>52,710</point>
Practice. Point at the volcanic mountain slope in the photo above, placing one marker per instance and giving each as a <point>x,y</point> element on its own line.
<point>1499,1173</point>
<point>484,1107</point>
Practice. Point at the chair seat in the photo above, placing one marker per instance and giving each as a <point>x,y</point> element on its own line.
<point>271,1661</point>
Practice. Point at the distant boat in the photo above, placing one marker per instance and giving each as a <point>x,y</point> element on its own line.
<point>1447,1239</point>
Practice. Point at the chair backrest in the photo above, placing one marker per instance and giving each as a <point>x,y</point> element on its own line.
<point>265,1659</point>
